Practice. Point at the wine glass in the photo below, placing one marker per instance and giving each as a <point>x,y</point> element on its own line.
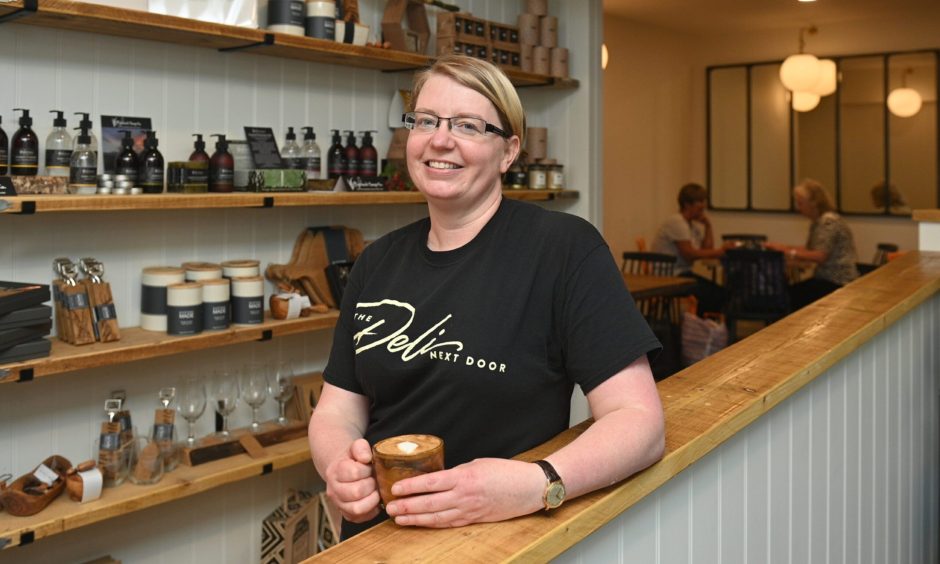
<point>255,391</point>
<point>191,404</point>
<point>225,391</point>
<point>282,388</point>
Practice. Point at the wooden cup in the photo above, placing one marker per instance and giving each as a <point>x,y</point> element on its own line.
<point>405,456</point>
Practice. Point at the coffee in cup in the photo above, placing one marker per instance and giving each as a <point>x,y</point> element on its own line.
<point>405,456</point>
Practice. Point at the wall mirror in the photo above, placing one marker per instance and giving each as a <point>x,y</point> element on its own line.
<point>872,160</point>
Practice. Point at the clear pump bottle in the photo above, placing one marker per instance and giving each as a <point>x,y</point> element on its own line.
<point>311,154</point>
<point>83,168</point>
<point>86,124</point>
<point>291,154</point>
<point>58,147</point>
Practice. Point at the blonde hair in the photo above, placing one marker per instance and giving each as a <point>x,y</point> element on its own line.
<point>814,192</point>
<point>485,78</point>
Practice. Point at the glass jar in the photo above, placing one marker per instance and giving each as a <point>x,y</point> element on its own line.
<point>538,178</point>
<point>556,177</point>
<point>516,177</point>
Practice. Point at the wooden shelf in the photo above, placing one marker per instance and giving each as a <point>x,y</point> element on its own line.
<point>63,514</point>
<point>135,24</point>
<point>138,344</point>
<point>71,203</point>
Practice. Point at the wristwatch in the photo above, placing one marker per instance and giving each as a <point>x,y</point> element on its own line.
<point>554,494</point>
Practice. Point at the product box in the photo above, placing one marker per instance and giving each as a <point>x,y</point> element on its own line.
<point>112,131</point>
<point>242,13</point>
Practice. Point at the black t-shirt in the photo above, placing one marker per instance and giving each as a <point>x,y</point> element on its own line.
<point>482,345</point>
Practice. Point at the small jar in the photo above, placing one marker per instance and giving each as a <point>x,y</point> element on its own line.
<point>556,177</point>
<point>241,268</point>
<point>516,177</point>
<point>247,300</point>
<point>537,177</point>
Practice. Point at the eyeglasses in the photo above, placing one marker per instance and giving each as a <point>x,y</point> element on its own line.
<point>462,126</point>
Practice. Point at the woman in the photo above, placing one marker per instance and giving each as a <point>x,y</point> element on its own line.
<point>830,246</point>
<point>474,325</point>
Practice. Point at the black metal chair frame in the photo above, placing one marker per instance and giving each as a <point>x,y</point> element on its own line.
<point>756,282</point>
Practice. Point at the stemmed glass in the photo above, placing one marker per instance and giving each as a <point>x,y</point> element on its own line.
<point>282,388</point>
<point>191,404</point>
<point>225,391</point>
<point>255,391</point>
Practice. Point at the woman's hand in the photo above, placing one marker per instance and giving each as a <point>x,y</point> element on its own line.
<point>351,486</point>
<point>776,246</point>
<point>481,491</point>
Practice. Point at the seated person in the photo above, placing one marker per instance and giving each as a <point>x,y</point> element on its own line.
<point>687,235</point>
<point>830,245</point>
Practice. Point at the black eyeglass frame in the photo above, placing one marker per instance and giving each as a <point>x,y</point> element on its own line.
<point>488,127</point>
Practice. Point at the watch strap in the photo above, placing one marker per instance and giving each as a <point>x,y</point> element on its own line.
<point>549,470</point>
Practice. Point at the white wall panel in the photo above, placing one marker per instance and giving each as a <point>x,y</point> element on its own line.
<point>845,470</point>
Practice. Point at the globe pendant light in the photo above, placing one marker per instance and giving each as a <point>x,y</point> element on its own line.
<point>828,78</point>
<point>804,101</point>
<point>904,102</point>
<point>800,72</point>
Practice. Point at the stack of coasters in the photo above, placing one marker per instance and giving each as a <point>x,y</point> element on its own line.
<point>24,321</point>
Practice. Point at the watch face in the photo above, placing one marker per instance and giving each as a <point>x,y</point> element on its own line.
<point>554,495</point>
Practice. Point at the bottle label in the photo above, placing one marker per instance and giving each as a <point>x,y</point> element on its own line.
<point>293,162</point>
<point>58,158</point>
<point>352,167</point>
<point>152,175</point>
<point>26,156</point>
<point>337,167</point>
<point>222,176</point>
<point>4,159</point>
<point>313,167</point>
<point>367,167</point>
<point>85,175</point>
<point>127,170</point>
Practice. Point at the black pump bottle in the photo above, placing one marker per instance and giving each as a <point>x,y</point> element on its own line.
<point>336,157</point>
<point>24,152</point>
<point>151,166</point>
<point>127,162</point>
<point>4,150</point>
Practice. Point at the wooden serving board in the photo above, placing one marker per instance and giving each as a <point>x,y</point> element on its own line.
<point>214,448</point>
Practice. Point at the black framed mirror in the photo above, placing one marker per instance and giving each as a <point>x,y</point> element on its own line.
<point>873,161</point>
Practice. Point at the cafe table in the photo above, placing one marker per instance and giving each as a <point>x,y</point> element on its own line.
<point>644,286</point>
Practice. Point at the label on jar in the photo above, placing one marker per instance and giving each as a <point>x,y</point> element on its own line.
<point>196,176</point>
<point>321,27</point>
<point>537,178</point>
<point>184,320</point>
<point>153,300</point>
<point>247,311</point>
<point>58,158</point>
<point>109,441</point>
<point>556,179</point>
<point>286,12</point>
<point>216,315</point>
<point>84,175</point>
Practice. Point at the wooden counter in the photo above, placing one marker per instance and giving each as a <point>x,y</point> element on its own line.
<point>704,405</point>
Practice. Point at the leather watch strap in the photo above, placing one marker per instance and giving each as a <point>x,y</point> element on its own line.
<point>549,470</point>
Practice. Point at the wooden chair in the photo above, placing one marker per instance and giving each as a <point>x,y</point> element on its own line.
<point>756,281</point>
<point>882,250</point>
<point>654,264</point>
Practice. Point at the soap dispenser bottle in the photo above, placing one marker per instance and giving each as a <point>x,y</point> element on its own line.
<point>4,150</point>
<point>368,156</point>
<point>336,157</point>
<point>86,124</point>
<point>127,163</point>
<point>24,151</point>
<point>291,154</point>
<point>151,173</point>
<point>199,153</point>
<point>58,147</point>
<point>352,155</point>
<point>221,167</point>
<point>83,167</point>
<point>311,154</point>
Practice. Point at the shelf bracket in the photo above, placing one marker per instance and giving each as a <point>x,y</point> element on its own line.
<point>266,335</point>
<point>27,207</point>
<point>26,375</point>
<point>267,202</point>
<point>29,7</point>
<point>27,538</point>
<point>268,40</point>
<point>267,469</point>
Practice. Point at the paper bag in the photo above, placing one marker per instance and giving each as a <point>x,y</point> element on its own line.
<point>288,534</point>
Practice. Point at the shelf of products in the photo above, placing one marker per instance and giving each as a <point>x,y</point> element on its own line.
<point>106,20</point>
<point>64,514</point>
<point>138,344</point>
<point>71,203</point>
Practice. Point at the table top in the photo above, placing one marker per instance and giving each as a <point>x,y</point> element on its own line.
<point>647,286</point>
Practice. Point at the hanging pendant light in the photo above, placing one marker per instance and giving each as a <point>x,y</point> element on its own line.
<point>828,78</point>
<point>904,102</point>
<point>800,72</point>
<point>804,101</point>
